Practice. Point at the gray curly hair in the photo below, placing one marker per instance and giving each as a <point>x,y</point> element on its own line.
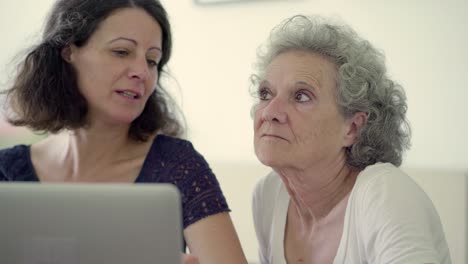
<point>362,84</point>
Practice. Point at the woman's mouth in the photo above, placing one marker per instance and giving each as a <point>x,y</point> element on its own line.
<point>129,94</point>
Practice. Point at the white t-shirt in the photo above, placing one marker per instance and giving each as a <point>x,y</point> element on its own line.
<point>388,219</point>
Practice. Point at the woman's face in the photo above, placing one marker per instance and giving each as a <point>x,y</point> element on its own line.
<point>297,122</point>
<point>117,68</point>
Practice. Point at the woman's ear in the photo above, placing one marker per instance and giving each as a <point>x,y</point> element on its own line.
<point>356,123</point>
<point>66,53</point>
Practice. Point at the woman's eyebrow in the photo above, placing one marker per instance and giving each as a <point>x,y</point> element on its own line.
<point>122,38</point>
<point>133,41</point>
<point>308,85</point>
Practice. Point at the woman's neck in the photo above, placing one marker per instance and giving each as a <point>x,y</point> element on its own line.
<point>87,151</point>
<point>86,142</point>
<point>316,191</point>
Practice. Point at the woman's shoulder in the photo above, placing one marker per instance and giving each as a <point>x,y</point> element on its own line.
<point>11,154</point>
<point>172,159</point>
<point>178,152</point>
<point>166,140</point>
<point>167,154</point>
<point>172,147</point>
<point>386,179</point>
<point>385,194</point>
<point>13,161</point>
<point>395,214</point>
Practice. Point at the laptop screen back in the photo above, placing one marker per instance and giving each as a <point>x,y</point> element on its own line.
<point>90,223</point>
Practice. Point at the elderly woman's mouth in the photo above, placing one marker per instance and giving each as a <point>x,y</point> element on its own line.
<point>273,136</point>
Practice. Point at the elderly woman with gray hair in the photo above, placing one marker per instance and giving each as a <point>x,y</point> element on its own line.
<point>332,126</point>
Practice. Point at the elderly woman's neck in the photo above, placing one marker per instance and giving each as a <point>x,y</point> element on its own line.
<point>316,192</point>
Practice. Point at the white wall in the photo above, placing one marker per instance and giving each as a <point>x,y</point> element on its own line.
<point>214,48</point>
<point>425,42</point>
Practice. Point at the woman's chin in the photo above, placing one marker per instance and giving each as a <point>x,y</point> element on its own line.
<point>270,160</point>
<point>126,117</point>
<point>120,120</point>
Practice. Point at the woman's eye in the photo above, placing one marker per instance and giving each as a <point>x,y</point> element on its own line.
<point>121,53</point>
<point>302,97</point>
<point>152,63</point>
<point>264,94</point>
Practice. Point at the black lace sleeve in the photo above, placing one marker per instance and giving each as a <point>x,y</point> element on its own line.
<point>15,164</point>
<point>176,161</point>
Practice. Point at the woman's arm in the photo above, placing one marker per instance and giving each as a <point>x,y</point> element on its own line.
<point>213,239</point>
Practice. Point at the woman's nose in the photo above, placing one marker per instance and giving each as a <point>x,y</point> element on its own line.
<point>275,111</point>
<point>139,69</point>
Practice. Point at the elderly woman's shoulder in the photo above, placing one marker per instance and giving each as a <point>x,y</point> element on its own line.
<point>384,184</point>
<point>396,217</point>
<point>386,174</point>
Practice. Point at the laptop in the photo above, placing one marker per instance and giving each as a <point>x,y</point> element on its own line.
<point>57,223</point>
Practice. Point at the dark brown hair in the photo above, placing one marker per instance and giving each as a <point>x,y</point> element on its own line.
<point>45,96</point>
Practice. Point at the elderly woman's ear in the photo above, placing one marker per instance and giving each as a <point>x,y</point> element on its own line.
<point>355,124</point>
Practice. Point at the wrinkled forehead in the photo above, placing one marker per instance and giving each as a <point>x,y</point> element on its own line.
<point>302,65</point>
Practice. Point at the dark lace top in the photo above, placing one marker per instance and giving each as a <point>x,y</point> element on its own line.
<point>170,160</point>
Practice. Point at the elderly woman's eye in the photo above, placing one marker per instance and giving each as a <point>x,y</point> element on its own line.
<point>264,94</point>
<point>302,97</point>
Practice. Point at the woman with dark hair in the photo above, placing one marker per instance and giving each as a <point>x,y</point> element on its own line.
<point>332,125</point>
<point>93,84</point>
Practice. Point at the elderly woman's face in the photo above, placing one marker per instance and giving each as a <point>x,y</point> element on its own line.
<point>297,122</point>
